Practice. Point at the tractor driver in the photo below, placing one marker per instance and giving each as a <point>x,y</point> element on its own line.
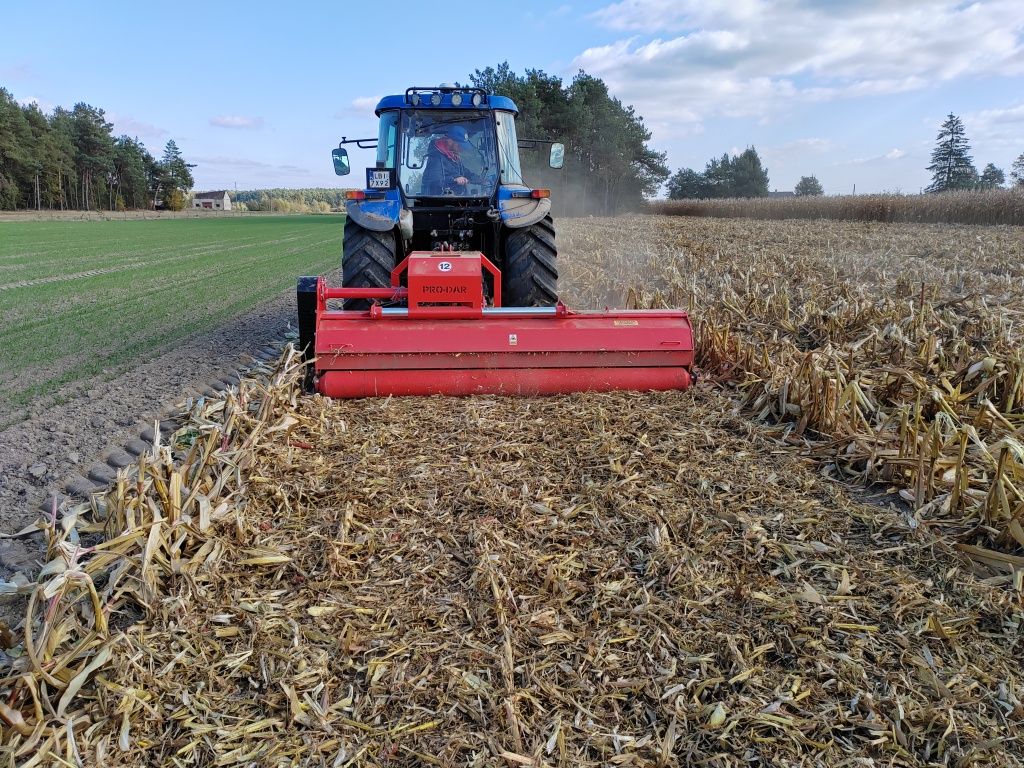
<point>446,172</point>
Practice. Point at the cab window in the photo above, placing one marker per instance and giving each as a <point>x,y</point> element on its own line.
<point>386,139</point>
<point>508,148</point>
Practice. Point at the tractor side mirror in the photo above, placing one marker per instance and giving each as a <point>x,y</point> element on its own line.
<point>341,164</point>
<point>557,157</point>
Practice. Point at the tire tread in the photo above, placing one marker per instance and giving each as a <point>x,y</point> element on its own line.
<point>530,267</point>
<point>367,260</point>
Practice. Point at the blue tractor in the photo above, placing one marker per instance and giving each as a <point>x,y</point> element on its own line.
<point>447,177</point>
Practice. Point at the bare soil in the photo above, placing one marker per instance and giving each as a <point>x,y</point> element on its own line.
<point>57,445</point>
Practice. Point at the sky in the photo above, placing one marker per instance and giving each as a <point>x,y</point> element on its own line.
<point>257,94</point>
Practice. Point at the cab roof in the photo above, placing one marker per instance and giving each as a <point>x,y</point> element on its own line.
<point>406,100</point>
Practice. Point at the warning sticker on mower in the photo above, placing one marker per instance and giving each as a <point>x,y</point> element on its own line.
<point>626,322</point>
<point>445,266</point>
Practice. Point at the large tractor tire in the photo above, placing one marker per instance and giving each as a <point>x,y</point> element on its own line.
<point>367,259</point>
<point>529,276</point>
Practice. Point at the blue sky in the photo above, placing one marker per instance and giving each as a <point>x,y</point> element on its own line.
<point>256,94</point>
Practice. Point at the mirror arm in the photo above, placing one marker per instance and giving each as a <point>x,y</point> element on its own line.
<point>361,143</point>
<point>533,143</point>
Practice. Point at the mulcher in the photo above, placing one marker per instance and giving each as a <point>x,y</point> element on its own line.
<point>449,272</point>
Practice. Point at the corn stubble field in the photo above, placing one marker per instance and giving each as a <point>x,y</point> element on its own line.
<point>607,579</point>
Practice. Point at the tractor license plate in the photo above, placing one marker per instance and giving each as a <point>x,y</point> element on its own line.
<point>380,178</point>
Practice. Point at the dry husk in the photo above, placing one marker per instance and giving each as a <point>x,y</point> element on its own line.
<point>890,353</point>
<point>621,579</point>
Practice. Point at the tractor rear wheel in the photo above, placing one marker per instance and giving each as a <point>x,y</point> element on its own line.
<point>529,276</point>
<point>367,259</point>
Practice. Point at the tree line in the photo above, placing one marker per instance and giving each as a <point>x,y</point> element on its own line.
<point>741,175</point>
<point>70,159</point>
<point>308,200</point>
<point>608,165</point>
<point>952,168</point>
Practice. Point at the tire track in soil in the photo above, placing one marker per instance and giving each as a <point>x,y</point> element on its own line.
<point>93,419</point>
<point>75,276</point>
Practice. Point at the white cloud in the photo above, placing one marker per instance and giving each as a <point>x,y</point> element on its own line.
<point>245,164</point>
<point>797,153</point>
<point>132,127</point>
<point>893,154</point>
<point>43,105</point>
<point>220,171</point>
<point>361,106</point>
<point>804,146</point>
<point>236,121</point>
<point>753,58</point>
<point>365,103</point>
<point>997,129</point>
<point>1010,115</point>
<point>20,71</point>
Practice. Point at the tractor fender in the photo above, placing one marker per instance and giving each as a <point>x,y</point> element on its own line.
<point>377,215</point>
<point>518,212</point>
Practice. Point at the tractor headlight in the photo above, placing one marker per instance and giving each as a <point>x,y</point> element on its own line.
<point>435,99</point>
<point>415,99</point>
<point>456,99</point>
<point>477,99</point>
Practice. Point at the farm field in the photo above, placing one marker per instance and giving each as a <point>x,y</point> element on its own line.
<point>890,353</point>
<point>84,298</point>
<point>998,206</point>
<point>623,579</point>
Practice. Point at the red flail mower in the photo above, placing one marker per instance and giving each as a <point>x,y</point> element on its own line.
<point>446,340</point>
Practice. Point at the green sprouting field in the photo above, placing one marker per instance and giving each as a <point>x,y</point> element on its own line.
<point>81,298</point>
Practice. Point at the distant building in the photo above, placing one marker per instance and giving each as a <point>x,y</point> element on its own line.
<point>215,201</point>
<point>777,193</point>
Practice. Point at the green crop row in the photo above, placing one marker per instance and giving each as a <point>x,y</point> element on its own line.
<point>81,298</point>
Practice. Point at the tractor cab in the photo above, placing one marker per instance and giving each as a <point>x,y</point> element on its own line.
<point>447,175</point>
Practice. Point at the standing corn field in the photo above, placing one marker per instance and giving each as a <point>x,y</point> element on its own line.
<point>997,206</point>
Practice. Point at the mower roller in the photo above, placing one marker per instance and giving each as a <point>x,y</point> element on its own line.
<point>424,311</point>
<point>447,341</point>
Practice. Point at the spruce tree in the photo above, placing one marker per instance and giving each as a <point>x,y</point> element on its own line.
<point>809,186</point>
<point>992,177</point>
<point>952,166</point>
<point>177,172</point>
<point>1017,171</point>
<point>718,177</point>
<point>749,177</point>
<point>687,184</point>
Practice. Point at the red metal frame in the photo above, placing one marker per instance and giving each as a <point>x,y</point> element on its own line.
<point>484,263</point>
<point>446,341</point>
